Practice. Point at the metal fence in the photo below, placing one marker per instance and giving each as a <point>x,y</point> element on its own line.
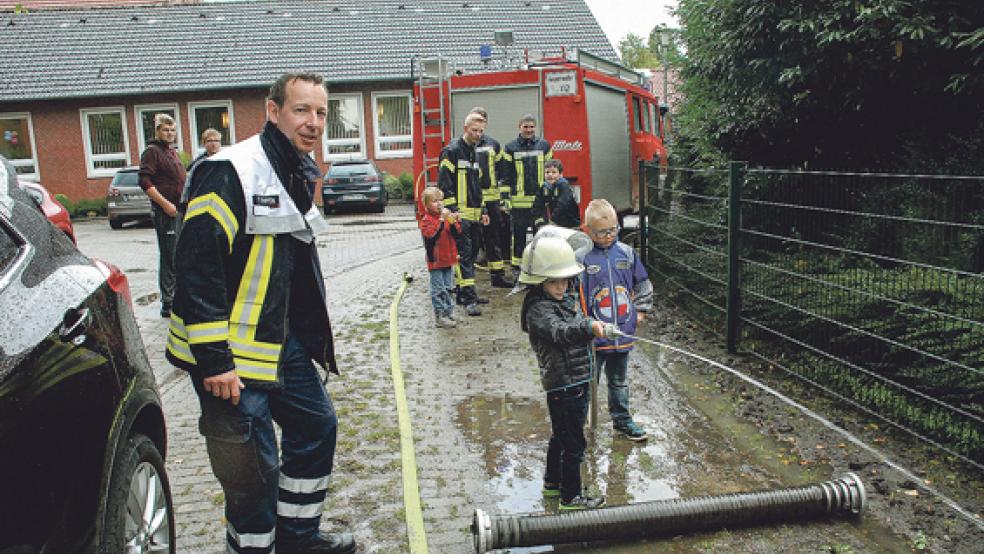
<point>867,286</point>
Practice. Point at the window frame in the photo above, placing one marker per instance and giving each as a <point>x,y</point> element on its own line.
<point>379,140</point>
<point>196,147</point>
<point>326,142</point>
<point>34,148</point>
<point>92,172</point>
<point>139,109</point>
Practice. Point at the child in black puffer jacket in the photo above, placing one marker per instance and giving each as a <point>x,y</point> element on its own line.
<point>561,337</point>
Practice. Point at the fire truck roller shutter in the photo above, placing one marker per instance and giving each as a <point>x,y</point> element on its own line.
<point>505,106</point>
<point>608,133</point>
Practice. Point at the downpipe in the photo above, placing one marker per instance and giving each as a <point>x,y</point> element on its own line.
<point>843,496</point>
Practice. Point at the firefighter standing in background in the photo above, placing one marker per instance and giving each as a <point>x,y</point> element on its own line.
<point>525,157</point>
<point>489,154</point>
<point>458,179</point>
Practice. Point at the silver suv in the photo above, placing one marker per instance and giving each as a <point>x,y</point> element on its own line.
<point>126,201</point>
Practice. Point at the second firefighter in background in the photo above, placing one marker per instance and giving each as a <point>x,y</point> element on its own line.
<point>524,156</point>
<point>459,180</point>
<point>495,190</point>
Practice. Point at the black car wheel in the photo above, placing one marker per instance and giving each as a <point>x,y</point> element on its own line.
<point>116,223</point>
<point>140,515</point>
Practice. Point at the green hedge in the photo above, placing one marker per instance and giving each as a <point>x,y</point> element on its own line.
<point>400,187</point>
<point>85,207</point>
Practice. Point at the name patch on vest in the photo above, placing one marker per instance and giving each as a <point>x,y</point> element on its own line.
<point>623,264</point>
<point>267,201</point>
<point>593,269</point>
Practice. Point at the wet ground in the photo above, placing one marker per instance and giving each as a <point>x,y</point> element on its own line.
<point>480,425</point>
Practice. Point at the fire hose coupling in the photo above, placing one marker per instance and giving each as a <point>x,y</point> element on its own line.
<point>611,331</point>
<point>663,518</point>
<point>407,277</point>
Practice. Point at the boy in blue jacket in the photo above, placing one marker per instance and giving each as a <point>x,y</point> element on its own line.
<point>617,290</point>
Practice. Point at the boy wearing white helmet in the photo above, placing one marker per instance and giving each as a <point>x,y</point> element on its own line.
<point>560,337</point>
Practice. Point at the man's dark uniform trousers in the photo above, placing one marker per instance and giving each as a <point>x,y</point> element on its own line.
<point>524,158</point>
<point>250,297</point>
<point>458,177</point>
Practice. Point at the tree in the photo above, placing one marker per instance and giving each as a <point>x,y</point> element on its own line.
<point>635,53</point>
<point>878,84</point>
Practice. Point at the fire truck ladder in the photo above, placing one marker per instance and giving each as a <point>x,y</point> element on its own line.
<point>434,91</point>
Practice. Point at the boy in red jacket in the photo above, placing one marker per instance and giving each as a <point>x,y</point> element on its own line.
<point>440,227</point>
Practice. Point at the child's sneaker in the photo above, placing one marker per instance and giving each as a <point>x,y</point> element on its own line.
<point>445,322</point>
<point>632,431</point>
<point>551,489</point>
<point>581,502</point>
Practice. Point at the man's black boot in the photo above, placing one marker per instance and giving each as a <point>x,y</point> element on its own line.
<point>326,543</point>
<point>499,281</point>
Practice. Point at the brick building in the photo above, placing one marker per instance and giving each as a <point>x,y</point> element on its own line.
<point>79,86</point>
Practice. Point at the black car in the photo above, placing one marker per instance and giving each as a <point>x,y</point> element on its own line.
<point>81,425</point>
<point>356,183</point>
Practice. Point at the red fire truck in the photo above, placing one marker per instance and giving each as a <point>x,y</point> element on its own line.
<point>596,115</point>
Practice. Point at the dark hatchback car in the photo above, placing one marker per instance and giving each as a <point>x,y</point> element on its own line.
<point>353,183</point>
<point>125,200</point>
<point>81,425</point>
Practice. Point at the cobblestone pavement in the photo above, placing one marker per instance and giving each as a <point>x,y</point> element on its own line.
<point>479,420</point>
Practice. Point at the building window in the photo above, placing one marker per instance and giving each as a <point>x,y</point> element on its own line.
<point>17,143</point>
<point>392,124</point>
<point>145,122</point>
<point>106,146</point>
<point>217,115</point>
<point>343,130</point>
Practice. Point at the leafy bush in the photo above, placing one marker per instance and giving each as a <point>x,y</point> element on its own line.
<point>406,183</point>
<point>393,187</point>
<point>65,202</point>
<point>89,206</point>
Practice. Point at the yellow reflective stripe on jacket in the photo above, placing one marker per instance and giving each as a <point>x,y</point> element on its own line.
<point>264,351</point>
<point>254,360</point>
<point>539,166</point>
<point>446,163</point>
<point>256,370</point>
<point>471,214</point>
<point>207,332</point>
<point>177,340</point>
<point>520,194</point>
<point>253,286</point>
<point>462,174</point>
<point>213,205</point>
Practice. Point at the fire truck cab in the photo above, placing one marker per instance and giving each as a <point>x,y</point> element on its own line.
<point>596,115</point>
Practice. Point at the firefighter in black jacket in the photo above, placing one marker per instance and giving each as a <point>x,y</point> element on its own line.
<point>458,179</point>
<point>495,234</point>
<point>249,317</point>
<point>525,157</point>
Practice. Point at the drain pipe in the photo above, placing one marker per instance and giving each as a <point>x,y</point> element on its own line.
<point>670,517</point>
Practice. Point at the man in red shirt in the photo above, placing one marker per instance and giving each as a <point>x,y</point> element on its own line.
<point>162,177</point>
